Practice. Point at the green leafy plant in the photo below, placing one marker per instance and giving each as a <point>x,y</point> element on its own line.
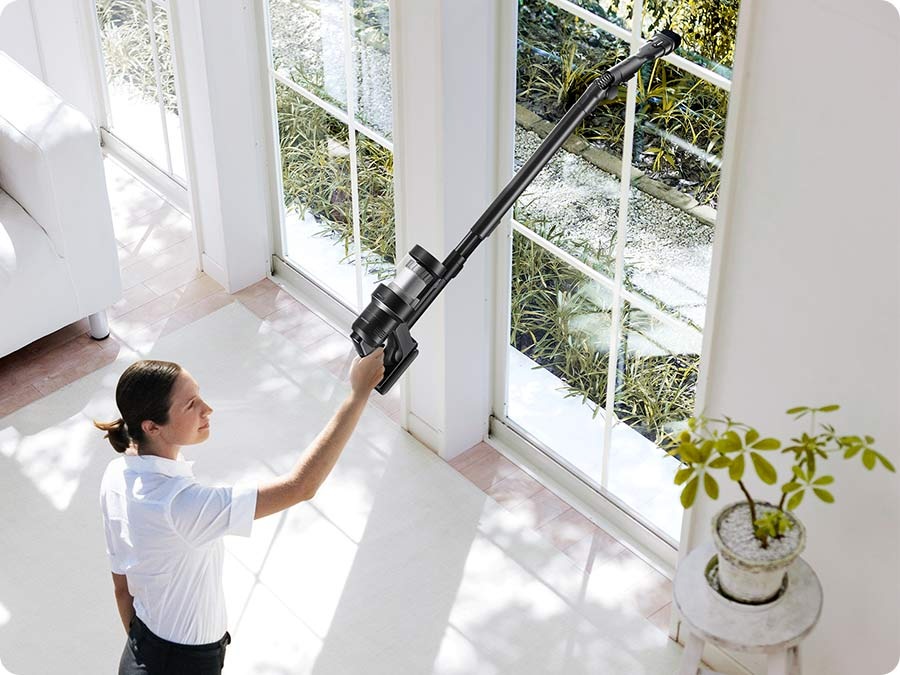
<point>715,444</point>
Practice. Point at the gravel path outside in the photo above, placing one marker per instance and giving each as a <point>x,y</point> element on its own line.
<point>669,250</point>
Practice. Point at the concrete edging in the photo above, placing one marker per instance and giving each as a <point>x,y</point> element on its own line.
<point>613,165</point>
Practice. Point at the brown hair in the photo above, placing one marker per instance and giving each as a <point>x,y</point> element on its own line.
<point>144,392</point>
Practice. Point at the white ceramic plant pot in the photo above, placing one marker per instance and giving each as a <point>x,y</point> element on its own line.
<point>758,579</point>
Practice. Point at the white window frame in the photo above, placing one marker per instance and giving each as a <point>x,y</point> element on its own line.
<point>162,179</point>
<point>324,300</point>
<point>515,441</point>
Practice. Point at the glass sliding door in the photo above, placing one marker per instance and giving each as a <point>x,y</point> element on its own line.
<point>330,64</point>
<point>140,81</point>
<point>609,280</point>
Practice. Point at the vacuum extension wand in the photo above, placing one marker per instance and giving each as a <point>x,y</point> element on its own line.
<point>396,307</point>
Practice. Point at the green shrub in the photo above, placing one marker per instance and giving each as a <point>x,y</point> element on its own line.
<point>315,156</point>
<point>126,44</point>
<point>653,393</point>
<point>560,54</point>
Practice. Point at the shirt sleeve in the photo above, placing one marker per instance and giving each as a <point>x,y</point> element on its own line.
<point>115,528</point>
<point>115,565</point>
<point>201,514</point>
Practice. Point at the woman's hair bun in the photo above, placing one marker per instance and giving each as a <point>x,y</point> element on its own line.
<point>116,432</point>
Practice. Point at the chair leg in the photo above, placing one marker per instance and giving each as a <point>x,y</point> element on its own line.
<point>99,325</point>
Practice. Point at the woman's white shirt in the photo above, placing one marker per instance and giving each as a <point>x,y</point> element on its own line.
<point>164,532</point>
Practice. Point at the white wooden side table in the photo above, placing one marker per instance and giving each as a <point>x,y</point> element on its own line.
<point>775,629</point>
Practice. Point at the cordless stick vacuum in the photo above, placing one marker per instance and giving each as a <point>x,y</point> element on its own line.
<point>420,277</point>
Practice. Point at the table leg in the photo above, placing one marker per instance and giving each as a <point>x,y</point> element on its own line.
<point>794,659</point>
<point>693,652</point>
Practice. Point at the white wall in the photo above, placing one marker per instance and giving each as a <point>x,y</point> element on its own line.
<point>17,34</point>
<point>47,37</point>
<point>445,169</point>
<point>223,98</point>
<point>806,309</point>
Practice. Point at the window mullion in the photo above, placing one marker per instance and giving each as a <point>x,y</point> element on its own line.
<point>330,108</point>
<point>159,94</point>
<point>615,328</point>
<point>350,79</point>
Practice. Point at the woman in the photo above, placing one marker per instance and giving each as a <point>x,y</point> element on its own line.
<point>164,529</point>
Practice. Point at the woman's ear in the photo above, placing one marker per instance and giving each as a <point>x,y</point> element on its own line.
<point>150,428</point>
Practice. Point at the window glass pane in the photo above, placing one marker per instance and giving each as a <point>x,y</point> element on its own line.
<point>375,166</point>
<point>308,46</point>
<point>372,51</point>
<point>576,196</point>
<point>707,29</point>
<point>559,354</point>
<point>657,363</point>
<point>618,12</point>
<point>678,144</point>
<point>131,76</point>
<point>315,158</point>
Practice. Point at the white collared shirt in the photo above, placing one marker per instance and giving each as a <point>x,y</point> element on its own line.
<point>164,532</point>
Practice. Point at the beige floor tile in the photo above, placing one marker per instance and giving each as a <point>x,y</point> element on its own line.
<point>662,617</point>
<point>174,277</point>
<point>160,228</point>
<point>264,298</point>
<point>334,351</point>
<point>309,332</point>
<point>612,585</point>
<point>472,455</point>
<point>568,528</point>
<point>631,582</point>
<point>541,507</point>
<point>514,489</point>
<point>594,549</point>
<point>196,311</point>
<point>134,297</point>
<point>157,258</point>
<point>130,201</point>
<point>289,316</point>
<point>151,267</point>
<point>653,593</point>
<point>260,287</point>
<point>165,305</point>
<point>490,470</point>
<point>388,403</point>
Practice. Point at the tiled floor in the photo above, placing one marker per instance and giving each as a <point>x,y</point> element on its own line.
<point>163,291</point>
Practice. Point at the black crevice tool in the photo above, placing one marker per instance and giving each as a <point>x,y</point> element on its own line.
<point>395,307</point>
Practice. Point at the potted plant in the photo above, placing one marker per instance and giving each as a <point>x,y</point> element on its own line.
<point>756,540</point>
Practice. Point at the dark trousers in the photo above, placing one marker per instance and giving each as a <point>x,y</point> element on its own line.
<point>148,654</point>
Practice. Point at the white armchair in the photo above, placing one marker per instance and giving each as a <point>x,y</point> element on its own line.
<point>58,260</point>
